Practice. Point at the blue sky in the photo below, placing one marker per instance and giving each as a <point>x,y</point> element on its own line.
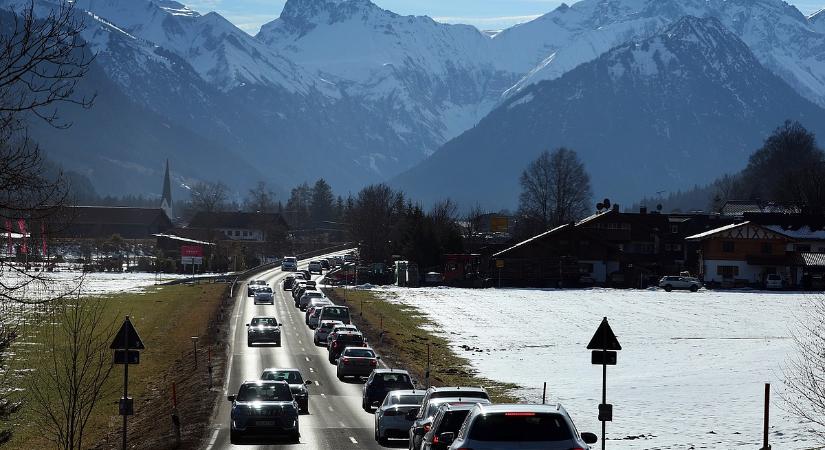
<point>249,15</point>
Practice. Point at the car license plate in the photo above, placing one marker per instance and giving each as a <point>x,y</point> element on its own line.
<point>265,423</point>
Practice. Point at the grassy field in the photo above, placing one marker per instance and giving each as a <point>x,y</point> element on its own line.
<point>404,343</point>
<point>165,317</point>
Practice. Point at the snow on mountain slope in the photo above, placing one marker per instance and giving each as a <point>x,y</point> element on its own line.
<point>782,39</point>
<point>436,79</point>
<point>817,21</point>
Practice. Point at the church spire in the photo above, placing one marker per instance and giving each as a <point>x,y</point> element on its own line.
<point>166,200</point>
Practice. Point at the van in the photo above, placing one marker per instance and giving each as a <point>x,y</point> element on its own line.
<point>335,313</point>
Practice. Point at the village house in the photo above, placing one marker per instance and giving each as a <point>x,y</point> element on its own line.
<point>102,222</point>
<point>238,226</point>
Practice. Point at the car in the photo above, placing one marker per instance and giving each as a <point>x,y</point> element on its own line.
<point>434,392</point>
<point>307,274</point>
<point>289,281</point>
<point>522,427</point>
<point>308,295</point>
<point>314,304</point>
<point>343,340</point>
<point>340,328</point>
<point>773,281</point>
<point>447,419</point>
<point>253,286</point>
<point>382,381</point>
<point>322,332</point>
<point>296,382</point>
<point>423,419</point>
<point>391,421</point>
<point>263,408</point>
<point>289,263</point>
<point>264,296</point>
<point>314,316</point>
<point>325,264</point>
<point>334,312</point>
<point>356,362</point>
<point>670,283</point>
<point>315,266</point>
<point>263,329</point>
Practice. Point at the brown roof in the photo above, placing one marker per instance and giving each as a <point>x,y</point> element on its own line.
<point>116,215</point>
<point>240,220</point>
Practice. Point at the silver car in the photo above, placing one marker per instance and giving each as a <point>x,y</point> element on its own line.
<point>322,332</point>
<point>323,301</point>
<point>356,362</point>
<point>522,427</point>
<point>670,283</point>
<point>308,295</point>
<point>263,408</point>
<point>391,418</point>
<point>264,297</point>
<point>296,382</point>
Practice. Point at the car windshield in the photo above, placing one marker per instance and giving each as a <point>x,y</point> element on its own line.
<point>520,427</point>
<point>359,353</point>
<point>338,329</point>
<point>452,421</point>
<point>393,378</point>
<point>407,399</point>
<point>316,313</point>
<point>459,393</point>
<point>290,376</point>
<point>275,392</point>
<point>336,312</point>
<point>264,321</point>
<point>315,294</point>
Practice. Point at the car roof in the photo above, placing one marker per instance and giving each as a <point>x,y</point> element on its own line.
<point>331,321</point>
<point>390,371</point>
<point>457,388</point>
<point>457,407</point>
<point>261,382</point>
<point>281,369</point>
<point>349,333</point>
<point>514,407</point>
<point>404,391</point>
<point>469,400</point>
<point>264,317</point>
<point>360,348</point>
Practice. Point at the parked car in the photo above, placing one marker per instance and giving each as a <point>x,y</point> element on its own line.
<point>343,340</point>
<point>426,414</point>
<point>264,296</point>
<point>670,283</point>
<point>773,281</point>
<point>289,263</point>
<point>382,381</point>
<point>447,419</point>
<point>391,421</point>
<point>253,286</point>
<point>522,427</point>
<point>322,332</point>
<point>308,295</point>
<point>263,408</point>
<point>263,329</point>
<point>296,382</point>
<point>315,266</point>
<point>356,362</point>
<point>335,313</point>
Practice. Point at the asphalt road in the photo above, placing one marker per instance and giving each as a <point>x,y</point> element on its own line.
<point>335,420</point>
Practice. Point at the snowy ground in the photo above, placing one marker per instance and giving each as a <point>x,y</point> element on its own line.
<point>691,374</point>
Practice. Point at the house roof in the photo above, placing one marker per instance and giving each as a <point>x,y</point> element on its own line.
<point>240,220</point>
<point>811,259</point>
<point>533,239</point>
<point>182,239</point>
<point>740,207</point>
<point>709,233</point>
<point>801,233</point>
<point>115,215</point>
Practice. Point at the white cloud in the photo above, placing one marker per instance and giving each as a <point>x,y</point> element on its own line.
<point>488,22</point>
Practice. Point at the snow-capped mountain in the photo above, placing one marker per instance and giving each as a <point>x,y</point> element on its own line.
<point>430,80</point>
<point>783,39</point>
<point>672,110</point>
<point>817,21</point>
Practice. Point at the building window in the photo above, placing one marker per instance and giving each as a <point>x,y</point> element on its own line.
<point>586,268</point>
<point>728,247</point>
<point>727,271</point>
<point>237,233</point>
<point>674,229</point>
<point>767,248</point>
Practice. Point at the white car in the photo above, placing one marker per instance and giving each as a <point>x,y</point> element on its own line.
<point>323,330</point>
<point>670,283</point>
<point>773,281</point>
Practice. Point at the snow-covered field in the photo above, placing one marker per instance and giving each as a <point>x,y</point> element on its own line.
<point>691,373</point>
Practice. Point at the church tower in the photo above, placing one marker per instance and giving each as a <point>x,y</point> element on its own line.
<point>166,200</point>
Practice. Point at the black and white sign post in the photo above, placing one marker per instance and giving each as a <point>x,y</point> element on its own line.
<point>126,345</point>
<point>604,345</point>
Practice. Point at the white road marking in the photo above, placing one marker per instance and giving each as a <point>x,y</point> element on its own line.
<point>322,395</point>
<point>343,425</point>
<point>312,370</point>
<point>303,349</point>
<point>213,439</point>
<point>353,440</point>
<point>306,358</point>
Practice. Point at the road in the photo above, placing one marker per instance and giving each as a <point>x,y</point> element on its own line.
<point>335,420</point>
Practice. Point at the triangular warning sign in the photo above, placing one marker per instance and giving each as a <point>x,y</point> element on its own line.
<point>604,339</point>
<point>127,338</point>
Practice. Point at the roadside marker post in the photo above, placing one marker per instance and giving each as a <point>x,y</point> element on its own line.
<point>195,350</point>
<point>126,344</point>
<point>604,345</point>
<point>766,445</point>
<point>175,416</point>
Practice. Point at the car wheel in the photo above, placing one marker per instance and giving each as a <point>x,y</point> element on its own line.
<point>364,405</point>
<point>248,343</point>
<point>234,437</point>
<point>278,343</point>
<point>295,437</point>
<point>383,441</point>
<point>694,288</point>
<point>668,288</point>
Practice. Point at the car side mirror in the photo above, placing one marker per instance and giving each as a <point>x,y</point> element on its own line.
<point>446,438</point>
<point>308,382</point>
<point>231,398</point>
<point>377,357</point>
<point>376,405</point>
<point>589,438</point>
<point>247,324</point>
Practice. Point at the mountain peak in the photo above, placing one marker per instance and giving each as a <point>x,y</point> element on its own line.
<point>325,10</point>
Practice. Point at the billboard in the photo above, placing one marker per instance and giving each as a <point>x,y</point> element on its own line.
<point>191,250</point>
<point>499,224</point>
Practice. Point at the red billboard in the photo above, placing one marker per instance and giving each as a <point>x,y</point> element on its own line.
<point>191,250</point>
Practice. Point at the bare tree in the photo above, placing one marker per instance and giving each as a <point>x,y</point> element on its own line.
<point>804,374</point>
<point>372,220</point>
<point>261,199</point>
<point>207,196</point>
<point>474,218</point>
<point>72,371</point>
<point>10,402</point>
<point>555,188</point>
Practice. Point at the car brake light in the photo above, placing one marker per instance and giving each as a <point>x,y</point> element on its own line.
<point>345,360</point>
<point>427,427</point>
<point>373,363</point>
<point>520,414</point>
<point>435,439</point>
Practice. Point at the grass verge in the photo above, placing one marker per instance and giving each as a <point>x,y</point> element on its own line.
<point>165,317</point>
<point>404,343</point>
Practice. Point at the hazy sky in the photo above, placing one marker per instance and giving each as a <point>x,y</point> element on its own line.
<point>249,15</point>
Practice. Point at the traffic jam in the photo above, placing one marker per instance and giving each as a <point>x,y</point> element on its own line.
<point>443,417</point>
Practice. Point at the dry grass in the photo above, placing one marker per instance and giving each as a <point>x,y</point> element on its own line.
<point>165,317</point>
<point>404,344</point>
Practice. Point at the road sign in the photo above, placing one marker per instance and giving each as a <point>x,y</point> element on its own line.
<point>604,339</point>
<point>127,357</point>
<point>127,338</point>
<point>500,263</point>
<point>605,412</point>
<point>126,407</point>
<point>603,357</point>
<point>191,250</point>
<point>197,260</point>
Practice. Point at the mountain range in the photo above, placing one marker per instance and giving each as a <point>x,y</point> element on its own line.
<point>348,91</point>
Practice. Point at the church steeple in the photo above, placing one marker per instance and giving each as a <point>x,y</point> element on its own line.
<point>166,200</point>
